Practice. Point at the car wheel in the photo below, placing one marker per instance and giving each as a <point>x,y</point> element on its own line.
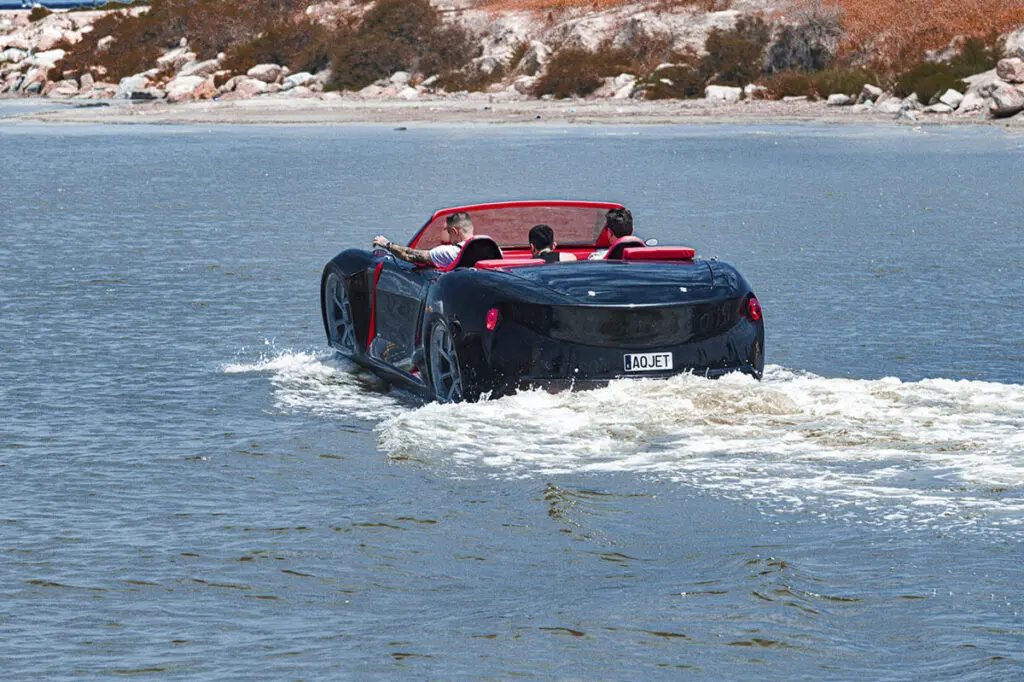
<point>338,312</point>
<point>445,371</point>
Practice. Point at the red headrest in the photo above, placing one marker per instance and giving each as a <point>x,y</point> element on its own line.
<point>658,253</point>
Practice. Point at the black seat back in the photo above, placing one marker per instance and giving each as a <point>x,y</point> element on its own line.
<point>621,244</point>
<point>476,249</point>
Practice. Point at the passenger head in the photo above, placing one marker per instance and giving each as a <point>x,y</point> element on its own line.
<point>541,237</point>
<point>459,227</point>
<point>619,221</point>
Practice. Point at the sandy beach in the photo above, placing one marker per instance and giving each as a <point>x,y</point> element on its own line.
<point>479,109</point>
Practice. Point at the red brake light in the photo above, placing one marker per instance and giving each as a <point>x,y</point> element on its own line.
<point>492,319</point>
<point>753,309</point>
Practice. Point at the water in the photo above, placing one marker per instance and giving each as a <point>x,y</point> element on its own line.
<point>191,486</point>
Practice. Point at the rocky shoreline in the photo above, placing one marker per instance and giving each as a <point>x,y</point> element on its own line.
<point>181,88</point>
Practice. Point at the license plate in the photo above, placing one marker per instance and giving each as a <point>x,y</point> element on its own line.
<point>647,362</point>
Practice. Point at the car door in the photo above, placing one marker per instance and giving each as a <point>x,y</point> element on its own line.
<point>397,308</point>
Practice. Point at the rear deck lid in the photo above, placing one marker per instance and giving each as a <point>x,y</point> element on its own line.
<point>614,282</point>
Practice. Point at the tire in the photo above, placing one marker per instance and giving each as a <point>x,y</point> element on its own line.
<point>446,376</point>
<point>341,329</point>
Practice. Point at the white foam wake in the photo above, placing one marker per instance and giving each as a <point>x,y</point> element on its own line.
<point>326,385</point>
<point>877,451</point>
<point>881,451</point>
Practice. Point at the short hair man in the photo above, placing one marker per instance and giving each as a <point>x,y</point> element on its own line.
<point>618,222</point>
<point>457,229</point>
<point>542,245</point>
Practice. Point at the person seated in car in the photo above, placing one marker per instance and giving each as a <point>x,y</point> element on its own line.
<point>542,245</point>
<point>618,222</point>
<point>457,229</point>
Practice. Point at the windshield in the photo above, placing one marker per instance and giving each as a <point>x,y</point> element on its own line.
<point>575,223</point>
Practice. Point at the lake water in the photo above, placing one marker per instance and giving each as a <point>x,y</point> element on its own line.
<point>192,487</point>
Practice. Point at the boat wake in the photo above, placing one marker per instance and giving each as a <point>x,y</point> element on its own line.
<point>909,454</point>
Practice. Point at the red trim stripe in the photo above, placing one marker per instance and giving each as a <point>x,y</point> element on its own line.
<point>373,307</point>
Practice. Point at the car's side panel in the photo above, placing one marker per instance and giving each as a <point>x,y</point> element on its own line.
<point>398,305</point>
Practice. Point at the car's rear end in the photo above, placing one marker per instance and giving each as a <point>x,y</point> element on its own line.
<point>603,321</point>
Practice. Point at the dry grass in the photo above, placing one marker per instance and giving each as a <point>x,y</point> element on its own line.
<point>896,33</point>
<point>558,5</point>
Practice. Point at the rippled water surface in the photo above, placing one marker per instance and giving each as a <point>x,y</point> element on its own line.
<point>192,486</point>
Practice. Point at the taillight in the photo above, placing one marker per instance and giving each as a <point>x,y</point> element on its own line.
<point>492,319</point>
<point>753,309</point>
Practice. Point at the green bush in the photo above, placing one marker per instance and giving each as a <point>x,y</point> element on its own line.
<point>842,81</point>
<point>571,71</point>
<point>299,45</point>
<point>679,81</point>
<point>790,84</point>
<point>398,35</point>
<point>931,79</point>
<point>735,57</point>
<point>809,44</point>
<point>38,12</point>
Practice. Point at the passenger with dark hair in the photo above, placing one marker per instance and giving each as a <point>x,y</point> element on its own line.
<point>457,229</point>
<point>542,245</point>
<point>618,222</point>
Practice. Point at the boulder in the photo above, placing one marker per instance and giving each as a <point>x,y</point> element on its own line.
<point>299,91</point>
<point>199,69</point>
<point>104,43</point>
<point>249,87</point>
<point>1007,100</point>
<point>524,84</point>
<point>869,93</point>
<point>723,93</point>
<point>130,84</point>
<point>625,83</point>
<point>190,88</point>
<point>64,88</point>
<point>795,98</point>
<point>86,81</point>
<point>751,91</point>
<point>268,73</point>
<point>983,83</point>
<point>408,93</point>
<point>176,58</point>
<point>305,78</point>
<point>938,108</point>
<point>34,88</point>
<point>400,78</point>
<point>12,55</point>
<point>889,105</point>
<point>1011,70</point>
<point>1014,46</point>
<point>907,114</point>
<point>951,98</point>
<point>912,103</point>
<point>972,102</point>
<point>48,58</point>
<point>839,100</point>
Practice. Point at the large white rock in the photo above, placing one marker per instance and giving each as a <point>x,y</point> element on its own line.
<point>952,99</point>
<point>869,93</point>
<point>1007,100</point>
<point>938,108</point>
<point>838,100</point>
<point>1011,70</point>
<point>190,88</point>
<point>723,93</point>
<point>535,59</point>
<point>408,93</point>
<point>177,58</point>
<point>890,105</point>
<point>130,84</point>
<point>64,89</point>
<point>400,78</point>
<point>1015,44</point>
<point>48,58</point>
<point>12,55</point>
<point>304,79</point>
<point>971,103</point>
<point>752,91</point>
<point>250,87</point>
<point>268,73</point>
<point>983,83</point>
<point>199,69</point>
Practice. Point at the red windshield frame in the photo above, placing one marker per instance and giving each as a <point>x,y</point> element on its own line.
<point>559,203</point>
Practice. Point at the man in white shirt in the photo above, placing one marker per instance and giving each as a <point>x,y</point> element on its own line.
<point>457,229</point>
<point>618,222</point>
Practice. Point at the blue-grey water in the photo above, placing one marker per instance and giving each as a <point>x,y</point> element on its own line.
<point>192,487</point>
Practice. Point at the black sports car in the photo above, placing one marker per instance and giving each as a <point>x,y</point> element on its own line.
<point>498,319</point>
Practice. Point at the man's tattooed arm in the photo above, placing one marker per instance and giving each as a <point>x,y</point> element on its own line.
<point>417,256</point>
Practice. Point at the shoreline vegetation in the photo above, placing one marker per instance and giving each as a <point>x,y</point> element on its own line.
<point>518,61</point>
